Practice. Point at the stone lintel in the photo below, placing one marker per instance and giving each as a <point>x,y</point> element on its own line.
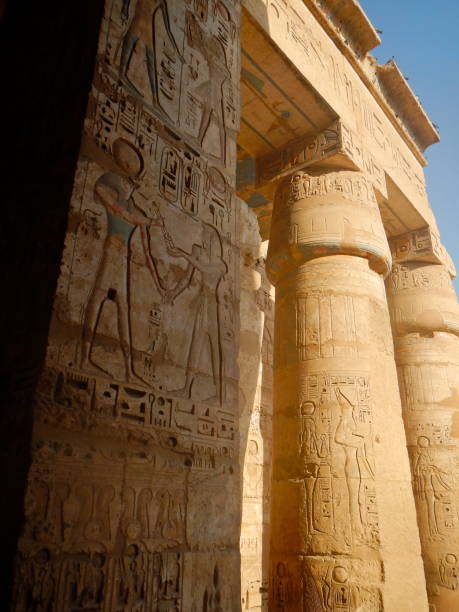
<point>406,104</point>
<point>421,245</point>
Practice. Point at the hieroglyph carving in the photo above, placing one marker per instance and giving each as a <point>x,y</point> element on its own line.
<point>303,186</point>
<point>336,443</point>
<point>299,154</point>
<point>337,139</point>
<point>296,32</point>
<point>421,245</point>
<point>143,343</point>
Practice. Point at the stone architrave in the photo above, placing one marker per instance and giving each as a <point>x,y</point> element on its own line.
<point>344,532</point>
<point>425,322</point>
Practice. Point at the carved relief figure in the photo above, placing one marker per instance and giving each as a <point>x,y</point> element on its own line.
<point>283,589</point>
<point>432,486</point>
<point>323,429</point>
<point>211,92</point>
<point>212,599</point>
<point>115,192</point>
<point>314,442</point>
<point>168,583</point>
<point>207,266</point>
<point>131,581</point>
<point>150,24</point>
<point>36,583</point>
<point>357,466</point>
<point>86,582</point>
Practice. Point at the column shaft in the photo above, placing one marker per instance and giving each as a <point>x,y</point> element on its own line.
<point>425,319</point>
<point>343,519</point>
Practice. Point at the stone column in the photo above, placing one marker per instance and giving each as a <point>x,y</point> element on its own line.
<point>425,322</point>
<point>344,533</point>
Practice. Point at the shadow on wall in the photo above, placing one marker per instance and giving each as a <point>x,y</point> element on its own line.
<point>44,70</point>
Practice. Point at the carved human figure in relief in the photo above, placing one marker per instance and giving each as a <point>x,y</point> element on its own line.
<point>431,485</point>
<point>147,16</point>
<point>36,583</point>
<point>169,583</point>
<point>207,267</point>
<point>131,580</point>
<point>212,90</point>
<point>283,593</point>
<point>87,582</point>
<point>116,193</point>
<point>357,464</point>
<point>297,190</point>
<point>399,277</point>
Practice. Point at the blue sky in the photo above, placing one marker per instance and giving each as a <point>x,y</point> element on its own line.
<point>424,38</point>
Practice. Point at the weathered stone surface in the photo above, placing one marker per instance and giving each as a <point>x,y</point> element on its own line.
<point>134,496</point>
<point>341,530</point>
<point>425,322</point>
<point>163,478</point>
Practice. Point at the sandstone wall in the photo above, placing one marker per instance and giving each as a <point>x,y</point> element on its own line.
<point>133,500</point>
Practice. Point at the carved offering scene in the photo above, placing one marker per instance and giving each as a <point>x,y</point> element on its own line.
<point>232,374</point>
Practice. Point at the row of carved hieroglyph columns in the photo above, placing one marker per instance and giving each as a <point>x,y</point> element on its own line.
<point>344,531</point>
<point>425,322</point>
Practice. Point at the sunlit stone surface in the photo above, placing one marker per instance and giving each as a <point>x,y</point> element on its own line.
<point>218,423</point>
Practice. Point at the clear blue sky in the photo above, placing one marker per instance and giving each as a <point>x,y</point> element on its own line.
<point>424,38</point>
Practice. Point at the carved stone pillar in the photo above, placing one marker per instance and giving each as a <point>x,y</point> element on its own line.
<point>343,519</point>
<point>425,322</point>
<point>133,499</point>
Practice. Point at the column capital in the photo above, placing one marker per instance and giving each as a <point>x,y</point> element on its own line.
<point>317,214</point>
<point>421,245</point>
